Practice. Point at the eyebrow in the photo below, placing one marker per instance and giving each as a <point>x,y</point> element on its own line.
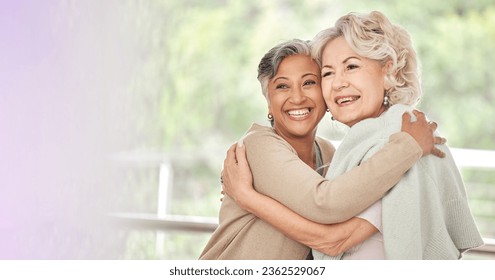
<point>285,78</point>
<point>350,57</point>
<point>345,61</point>
<point>280,78</point>
<point>309,74</point>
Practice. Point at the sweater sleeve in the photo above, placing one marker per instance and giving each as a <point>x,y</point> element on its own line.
<point>427,216</point>
<point>280,174</point>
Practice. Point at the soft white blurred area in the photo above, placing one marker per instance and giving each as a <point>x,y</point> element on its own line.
<point>64,105</point>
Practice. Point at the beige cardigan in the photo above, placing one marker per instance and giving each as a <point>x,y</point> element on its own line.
<point>280,174</point>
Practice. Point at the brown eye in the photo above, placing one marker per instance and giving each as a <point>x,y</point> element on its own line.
<point>352,66</point>
<point>327,74</point>
<point>309,82</point>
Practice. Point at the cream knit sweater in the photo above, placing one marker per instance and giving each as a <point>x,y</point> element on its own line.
<point>426,215</point>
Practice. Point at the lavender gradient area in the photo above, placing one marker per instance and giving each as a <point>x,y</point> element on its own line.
<point>63,82</point>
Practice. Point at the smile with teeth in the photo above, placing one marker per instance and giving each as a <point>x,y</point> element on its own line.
<point>346,99</point>
<point>299,113</point>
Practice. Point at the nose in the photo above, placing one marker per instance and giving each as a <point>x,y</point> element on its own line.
<point>339,81</point>
<point>298,95</point>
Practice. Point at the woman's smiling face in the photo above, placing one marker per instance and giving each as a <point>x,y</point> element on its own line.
<point>295,98</point>
<point>353,86</point>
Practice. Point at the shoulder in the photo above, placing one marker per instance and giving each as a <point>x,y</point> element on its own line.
<point>258,130</point>
<point>395,112</point>
<point>263,137</point>
<point>383,126</point>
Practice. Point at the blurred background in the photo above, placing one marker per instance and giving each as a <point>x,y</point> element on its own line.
<point>115,116</point>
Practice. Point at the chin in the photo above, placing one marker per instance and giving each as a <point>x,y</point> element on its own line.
<point>303,131</point>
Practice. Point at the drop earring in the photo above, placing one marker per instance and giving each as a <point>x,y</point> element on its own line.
<point>386,102</point>
<point>270,119</point>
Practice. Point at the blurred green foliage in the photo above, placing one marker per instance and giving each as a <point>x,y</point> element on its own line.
<point>197,78</point>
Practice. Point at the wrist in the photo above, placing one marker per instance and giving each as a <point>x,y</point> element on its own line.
<point>410,145</point>
<point>245,197</point>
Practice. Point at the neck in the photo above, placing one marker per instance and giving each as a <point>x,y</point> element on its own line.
<point>304,147</point>
<point>376,115</point>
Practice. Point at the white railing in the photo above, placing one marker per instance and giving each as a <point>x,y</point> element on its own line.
<point>471,158</point>
<point>209,224</point>
<point>465,158</point>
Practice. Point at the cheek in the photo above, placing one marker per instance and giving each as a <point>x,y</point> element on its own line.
<point>377,96</point>
<point>317,94</point>
<point>326,91</point>
<point>275,100</point>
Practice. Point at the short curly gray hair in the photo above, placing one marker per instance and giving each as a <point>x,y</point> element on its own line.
<point>373,36</point>
<point>270,62</point>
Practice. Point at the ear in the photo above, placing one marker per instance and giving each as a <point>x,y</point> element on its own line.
<point>267,97</point>
<point>387,82</point>
<point>387,75</point>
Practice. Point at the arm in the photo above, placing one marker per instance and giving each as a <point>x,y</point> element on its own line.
<point>332,239</point>
<point>329,239</point>
<point>280,174</point>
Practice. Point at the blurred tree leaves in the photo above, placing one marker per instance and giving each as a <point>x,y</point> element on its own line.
<point>457,55</point>
<point>197,82</point>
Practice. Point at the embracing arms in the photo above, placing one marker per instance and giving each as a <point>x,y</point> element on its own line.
<point>312,196</point>
<point>280,174</point>
<point>331,239</point>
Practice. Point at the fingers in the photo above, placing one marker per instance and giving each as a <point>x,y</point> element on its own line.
<point>422,131</point>
<point>235,153</point>
<point>433,125</point>
<point>231,158</point>
<point>406,118</point>
<point>439,140</point>
<point>420,116</point>
<point>437,152</point>
<point>240,153</point>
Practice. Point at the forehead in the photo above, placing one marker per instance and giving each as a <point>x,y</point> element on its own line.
<point>297,64</point>
<point>337,50</point>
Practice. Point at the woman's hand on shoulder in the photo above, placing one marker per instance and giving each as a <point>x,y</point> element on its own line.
<point>422,131</point>
<point>237,179</point>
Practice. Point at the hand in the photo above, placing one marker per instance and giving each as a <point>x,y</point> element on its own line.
<point>237,179</point>
<point>422,132</point>
<point>336,239</point>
